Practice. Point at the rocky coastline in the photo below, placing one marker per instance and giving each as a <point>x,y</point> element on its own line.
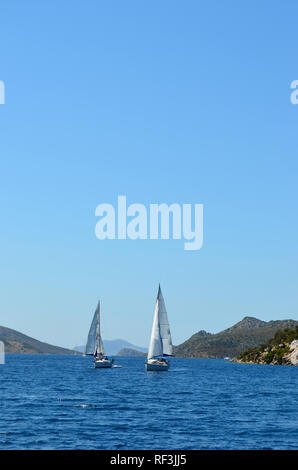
<point>282,349</point>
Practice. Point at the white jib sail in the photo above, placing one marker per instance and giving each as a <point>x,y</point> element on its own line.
<point>161,341</point>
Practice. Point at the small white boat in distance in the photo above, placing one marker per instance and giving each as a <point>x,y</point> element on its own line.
<point>94,346</point>
<point>161,342</point>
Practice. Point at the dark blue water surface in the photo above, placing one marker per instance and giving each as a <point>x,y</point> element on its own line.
<point>62,402</point>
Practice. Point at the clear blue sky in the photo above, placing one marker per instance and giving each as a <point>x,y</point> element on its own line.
<point>162,101</point>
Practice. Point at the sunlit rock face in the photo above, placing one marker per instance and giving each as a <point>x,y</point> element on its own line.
<point>294,352</point>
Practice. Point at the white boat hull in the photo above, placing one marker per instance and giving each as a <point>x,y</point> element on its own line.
<point>157,366</point>
<point>102,364</point>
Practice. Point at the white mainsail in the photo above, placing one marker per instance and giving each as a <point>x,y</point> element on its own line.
<point>98,341</point>
<point>161,341</point>
<point>94,341</point>
<point>90,346</point>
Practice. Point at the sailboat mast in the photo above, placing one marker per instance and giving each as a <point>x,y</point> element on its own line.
<point>97,331</point>
<point>98,324</point>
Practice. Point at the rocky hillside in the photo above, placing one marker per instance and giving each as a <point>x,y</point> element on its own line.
<point>248,333</point>
<point>282,349</point>
<point>16,342</point>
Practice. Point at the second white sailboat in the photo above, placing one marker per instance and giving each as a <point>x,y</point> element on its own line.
<point>160,347</point>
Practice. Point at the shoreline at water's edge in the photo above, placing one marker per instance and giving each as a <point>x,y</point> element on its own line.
<point>237,361</point>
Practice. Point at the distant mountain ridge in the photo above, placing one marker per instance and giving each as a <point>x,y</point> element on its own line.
<point>250,332</point>
<point>18,343</point>
<point>113,346</point>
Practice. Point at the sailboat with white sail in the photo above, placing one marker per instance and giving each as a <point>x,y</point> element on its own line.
<point>94,346</point>
<point>160,347</point>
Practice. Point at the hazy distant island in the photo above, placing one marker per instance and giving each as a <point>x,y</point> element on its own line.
<point>18,343</point>
<point>114,346</point>
<point>130,352</point>
<point>282,349</point>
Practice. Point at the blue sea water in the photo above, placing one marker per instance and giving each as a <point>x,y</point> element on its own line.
<point>62,402</point>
